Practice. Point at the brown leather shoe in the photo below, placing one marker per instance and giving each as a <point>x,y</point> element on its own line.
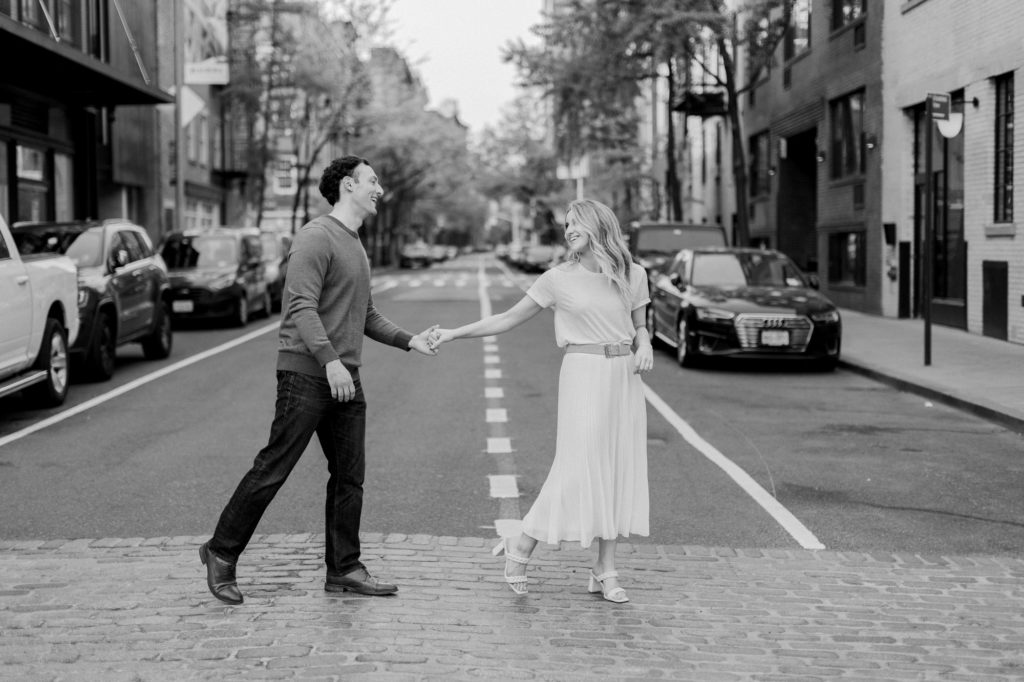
<point>220,576</point>
<point>359,581</point>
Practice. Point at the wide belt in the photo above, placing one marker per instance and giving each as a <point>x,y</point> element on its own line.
<point>609,350</point>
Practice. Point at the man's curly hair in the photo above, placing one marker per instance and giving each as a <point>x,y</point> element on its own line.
<point>333,174</point>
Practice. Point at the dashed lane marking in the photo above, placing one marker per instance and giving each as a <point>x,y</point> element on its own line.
<point>496,415</point>
<point>504,485</point>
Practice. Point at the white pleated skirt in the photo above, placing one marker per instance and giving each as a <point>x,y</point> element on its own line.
<point>597,486</point>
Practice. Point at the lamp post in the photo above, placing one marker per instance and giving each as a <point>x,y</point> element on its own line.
<point>938,109</point>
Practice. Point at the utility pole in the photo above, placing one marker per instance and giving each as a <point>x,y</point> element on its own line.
<point>179,146</point>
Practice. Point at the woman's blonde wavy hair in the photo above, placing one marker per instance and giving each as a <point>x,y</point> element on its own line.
<point>606,242</point>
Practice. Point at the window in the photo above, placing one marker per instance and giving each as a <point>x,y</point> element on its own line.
<point>1004,149</point>
<point>798,35</point>
<point>5,186</point>
<point>846,262</point>
<point>845,12</point>
<point>64,188</point>
<point>204,140</point>
<point>848,136</point>
<point>759,163</point>
<point>33,188</point>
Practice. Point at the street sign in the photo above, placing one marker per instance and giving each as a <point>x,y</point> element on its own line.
<point>938,105</point>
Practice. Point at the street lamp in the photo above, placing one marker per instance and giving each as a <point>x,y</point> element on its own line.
<point>938,109</point>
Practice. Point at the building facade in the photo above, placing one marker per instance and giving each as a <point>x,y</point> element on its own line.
<point>837,133</point>
<point>80,142</point>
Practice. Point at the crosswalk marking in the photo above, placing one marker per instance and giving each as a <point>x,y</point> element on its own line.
<point>497,415</point>
<point>499,446</point>
<point>492,373</point>
<point>494,392</point>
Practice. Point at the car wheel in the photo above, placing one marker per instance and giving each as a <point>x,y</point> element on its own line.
<point>99,364</point>
<point>53,359</point>
<point>157,345</point>
<point>242,312</point>
<point>684,355</point>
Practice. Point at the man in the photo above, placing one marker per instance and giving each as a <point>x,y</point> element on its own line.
<point>327,311</point>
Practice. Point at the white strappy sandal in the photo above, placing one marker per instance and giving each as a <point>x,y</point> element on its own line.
<point>616,594</point>
<point>517,583</point>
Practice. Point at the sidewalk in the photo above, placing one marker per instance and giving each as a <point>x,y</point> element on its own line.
<point>973,372</point>
<point>138,610</point>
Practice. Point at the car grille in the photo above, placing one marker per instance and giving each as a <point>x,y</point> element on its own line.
<point>749,327</point>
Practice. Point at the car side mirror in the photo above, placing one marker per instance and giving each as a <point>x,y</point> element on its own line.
<point>815,282</point>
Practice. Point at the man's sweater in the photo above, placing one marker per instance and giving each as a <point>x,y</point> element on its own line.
<point>327,303</point>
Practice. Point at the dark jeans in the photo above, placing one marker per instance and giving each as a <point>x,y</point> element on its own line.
<point>304,407</point>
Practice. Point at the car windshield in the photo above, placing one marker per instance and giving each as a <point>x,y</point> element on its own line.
<point>734,270</point>
<point>667,239</point>
<point>202,251</point>
<point>85,247</point>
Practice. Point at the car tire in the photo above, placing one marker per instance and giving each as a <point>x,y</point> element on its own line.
<point>157,345</point>
<point>685,356</point>
<point>53,359</point>
<point>241,317</point>
<point>102,351</point>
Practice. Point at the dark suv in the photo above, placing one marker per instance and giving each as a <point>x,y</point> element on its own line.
<point>122,288</point>
<point>217,273</point>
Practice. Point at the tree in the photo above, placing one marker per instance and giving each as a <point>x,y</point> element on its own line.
<point>595,53</point>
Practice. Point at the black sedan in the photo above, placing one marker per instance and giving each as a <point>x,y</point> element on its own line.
<point>740,302</point>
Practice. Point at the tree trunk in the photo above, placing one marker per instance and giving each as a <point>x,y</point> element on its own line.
<point>741,230</point>
<point>672,171</point>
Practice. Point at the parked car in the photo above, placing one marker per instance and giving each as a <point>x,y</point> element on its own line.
<point>275,247</point>
<point>217,273</point>
<point>415,255</point>
<point>538,257</point>
<point>38,306</point>
<point>742,302</point>
<point>654,244</point>
<point>122,288</point>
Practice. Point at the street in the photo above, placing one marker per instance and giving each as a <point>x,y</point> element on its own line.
<point>852,464</point>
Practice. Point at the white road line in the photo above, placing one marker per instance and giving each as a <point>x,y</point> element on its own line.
<point>490,348</point>
<point>783,516</point>
<point>497,415</point>
<point>490,339</point>
<point>494,392</point>
<point>499,446</point>
<point>492,373</point>
<point>504,485</point>
<point>136,383</point>
<point>384,286</point>
<point>492,360</point>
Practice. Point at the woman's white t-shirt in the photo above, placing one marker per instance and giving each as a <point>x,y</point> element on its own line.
<point>588,307</point>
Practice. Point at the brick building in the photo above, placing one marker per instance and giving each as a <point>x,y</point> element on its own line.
<point>836,131</point>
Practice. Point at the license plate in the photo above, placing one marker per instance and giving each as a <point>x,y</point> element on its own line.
<point>774,337</point>
<point>181,306</point>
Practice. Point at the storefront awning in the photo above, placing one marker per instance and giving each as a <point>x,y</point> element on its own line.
<point>35,62</point>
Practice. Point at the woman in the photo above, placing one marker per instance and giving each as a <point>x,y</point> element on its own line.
<point>597,486</point>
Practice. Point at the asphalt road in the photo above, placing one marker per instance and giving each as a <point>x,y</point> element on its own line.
<point>859,466</point>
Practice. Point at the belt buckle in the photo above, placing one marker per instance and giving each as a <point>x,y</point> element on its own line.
<point>608,347</point>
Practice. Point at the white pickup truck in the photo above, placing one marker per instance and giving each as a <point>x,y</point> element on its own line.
<point>38,322</point>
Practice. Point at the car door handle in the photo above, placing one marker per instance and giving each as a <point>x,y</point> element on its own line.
<point>22,280</point>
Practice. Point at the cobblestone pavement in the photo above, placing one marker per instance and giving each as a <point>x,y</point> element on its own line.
<point>137,609</point>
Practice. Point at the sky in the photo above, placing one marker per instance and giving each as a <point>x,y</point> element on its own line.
<point>455,45</point>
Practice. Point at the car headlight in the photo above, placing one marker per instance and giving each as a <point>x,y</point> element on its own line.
<point>222,282</point>
<point>714,315</point>
<point>827,316</point>
<point>83,298</point>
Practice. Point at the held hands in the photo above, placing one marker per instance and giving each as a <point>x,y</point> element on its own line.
<point>422,341</point>
<point>440,336</point>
